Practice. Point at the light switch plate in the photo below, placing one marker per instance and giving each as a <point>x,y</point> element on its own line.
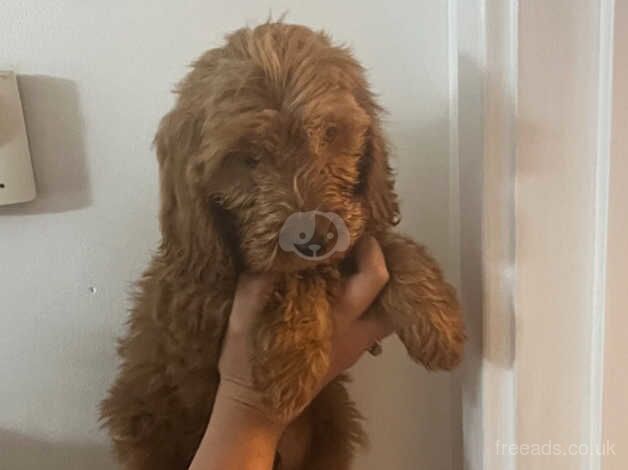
<point>17,181</point>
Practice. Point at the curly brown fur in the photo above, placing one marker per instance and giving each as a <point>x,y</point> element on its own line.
<point>275,122</point>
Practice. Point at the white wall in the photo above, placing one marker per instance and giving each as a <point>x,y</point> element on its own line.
<point>95,78</point>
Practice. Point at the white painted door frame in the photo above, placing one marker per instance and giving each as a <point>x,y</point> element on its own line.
<point>615,405</point>
<point>533,143</point>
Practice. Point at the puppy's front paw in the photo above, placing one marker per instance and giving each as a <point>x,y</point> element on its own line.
<point>435,338</point>
<point>292,346</point>
<point>289,373</point>
<point>422,306</point>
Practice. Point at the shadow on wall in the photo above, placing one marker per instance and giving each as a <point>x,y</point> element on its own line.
<point>7,125</point>
<point>19,452</point>
<point>56,138</point>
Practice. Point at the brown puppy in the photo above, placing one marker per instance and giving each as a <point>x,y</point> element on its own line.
<point>277,122</point>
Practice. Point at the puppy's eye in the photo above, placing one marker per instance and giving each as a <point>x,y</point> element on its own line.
<point>330,134</point>
<point>251,161</point>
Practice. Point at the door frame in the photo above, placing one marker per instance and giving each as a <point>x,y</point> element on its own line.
<point>532,132</point>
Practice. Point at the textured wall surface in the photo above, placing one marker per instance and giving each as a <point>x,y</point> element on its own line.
<point>95,78</point>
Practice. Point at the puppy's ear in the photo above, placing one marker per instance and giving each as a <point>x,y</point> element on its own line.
<point>189,218</point>
<point>376,183</point>
<point>177,139</point>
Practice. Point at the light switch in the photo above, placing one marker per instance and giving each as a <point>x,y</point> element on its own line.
<point>17,182</point>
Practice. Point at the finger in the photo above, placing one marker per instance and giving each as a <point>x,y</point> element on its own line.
<point>372,328</point>
<point>360,336</point>
<point>369,255</point>
<point>364,286</point>
<point>252,294</point>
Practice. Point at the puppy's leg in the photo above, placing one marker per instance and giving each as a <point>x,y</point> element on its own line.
<point>336,429</point>
<point>292,344</point>
<point>149,426</point>
<point>421,304</point>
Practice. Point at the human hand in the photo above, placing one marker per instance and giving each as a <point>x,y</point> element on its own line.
<point>354,332</point>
